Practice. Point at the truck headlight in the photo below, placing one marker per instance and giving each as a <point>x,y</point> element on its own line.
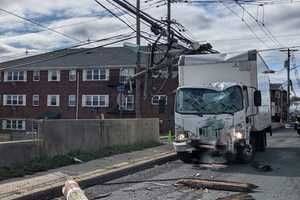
<point>181,136</point>
<point>238,135</point>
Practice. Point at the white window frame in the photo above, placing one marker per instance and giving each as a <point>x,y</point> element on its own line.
<point>8,124</point>
<point>72,75</point>
<point>35,74</point>
<point>125,101</point>
<point>15,74</point>
<point>35,100</point>
<point>92,73</point>
<point>125,73</point>
<point>95,98</point>
<point>12,98</point>
<point>57,99</point>
<point>50,75</point>
<point>70,100</point>
<point>159,97</point>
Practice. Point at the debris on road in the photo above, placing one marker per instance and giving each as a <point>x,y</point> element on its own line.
<point>72,191</point>
<point>77,160</point>
<point>261,167</point>
<point>240,196</point>
<point>159,184</point>
<point>216,185</point>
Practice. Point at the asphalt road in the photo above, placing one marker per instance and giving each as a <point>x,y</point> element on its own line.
<point>282,183</point>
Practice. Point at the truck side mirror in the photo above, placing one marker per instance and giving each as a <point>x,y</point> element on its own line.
<point>257,98</point>
<point>162,105</point>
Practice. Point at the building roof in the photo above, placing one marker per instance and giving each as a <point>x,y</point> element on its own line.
<point>81,57</point>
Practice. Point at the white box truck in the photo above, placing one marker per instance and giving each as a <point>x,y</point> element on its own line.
<point>222,104</point>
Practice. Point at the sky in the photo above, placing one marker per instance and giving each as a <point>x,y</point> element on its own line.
<point>226,26</point>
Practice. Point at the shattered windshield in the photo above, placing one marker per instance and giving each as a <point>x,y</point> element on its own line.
<point>207,101</point>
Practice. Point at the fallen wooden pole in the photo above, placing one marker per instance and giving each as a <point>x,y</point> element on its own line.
<point>216,185</point>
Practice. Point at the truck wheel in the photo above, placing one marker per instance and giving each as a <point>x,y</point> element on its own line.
<point>259,140</point>
<point>245,154</point>
<point>298,131</point>
<point>186,157</point>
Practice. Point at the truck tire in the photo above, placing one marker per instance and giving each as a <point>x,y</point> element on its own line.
<point>258,140</point>
<point>298,131</point>
<point>245,154</point>
<point>186,157</point>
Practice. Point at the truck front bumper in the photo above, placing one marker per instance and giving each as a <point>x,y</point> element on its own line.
<point>183,147</point>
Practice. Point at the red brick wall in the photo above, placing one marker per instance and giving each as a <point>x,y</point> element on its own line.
<point>65,87</point>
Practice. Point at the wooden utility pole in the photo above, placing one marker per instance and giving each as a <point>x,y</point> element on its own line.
<point>288,67</point>
<point>169,21</point>
<point>138,113</point>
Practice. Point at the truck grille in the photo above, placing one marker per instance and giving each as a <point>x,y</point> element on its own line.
<point>209,131</point>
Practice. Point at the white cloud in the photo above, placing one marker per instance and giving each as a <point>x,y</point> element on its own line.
<point>213,23</point>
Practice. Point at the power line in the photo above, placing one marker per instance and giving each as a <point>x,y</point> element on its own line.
<point>39,24</point>
<point>261,26</point>
<point>248,26</point>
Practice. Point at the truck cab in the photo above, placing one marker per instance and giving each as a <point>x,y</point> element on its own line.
<point>221,116</point>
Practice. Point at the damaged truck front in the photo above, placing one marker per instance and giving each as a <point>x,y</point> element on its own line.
<point>222,105</point>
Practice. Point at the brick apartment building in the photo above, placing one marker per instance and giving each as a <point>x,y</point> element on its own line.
<point>78,84</point>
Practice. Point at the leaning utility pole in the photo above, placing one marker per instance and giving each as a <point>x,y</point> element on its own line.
<point>169,21</point>
<point>138,63</point>
<point>288,67</point>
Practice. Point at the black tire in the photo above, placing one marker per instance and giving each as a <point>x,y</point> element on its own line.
<point>298,131</point>
<point>258,140</point>
<point>245,154</point>
<point>186,157</point>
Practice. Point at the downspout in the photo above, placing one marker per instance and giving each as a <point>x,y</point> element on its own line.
<point>77,95</point>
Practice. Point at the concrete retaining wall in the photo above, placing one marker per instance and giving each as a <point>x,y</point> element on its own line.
<point>63,136</point>
<point>18,151</point>
<point>57,137</point>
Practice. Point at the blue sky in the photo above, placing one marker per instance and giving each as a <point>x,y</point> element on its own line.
<point>84,19</point>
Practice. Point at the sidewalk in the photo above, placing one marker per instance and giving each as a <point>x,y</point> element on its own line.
<point>56,177</point>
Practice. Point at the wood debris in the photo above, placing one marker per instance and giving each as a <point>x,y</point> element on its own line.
<point>216,185</point>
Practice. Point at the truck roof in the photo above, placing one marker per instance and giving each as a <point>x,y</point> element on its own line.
<point>214,86</point>
<point>217,58</point>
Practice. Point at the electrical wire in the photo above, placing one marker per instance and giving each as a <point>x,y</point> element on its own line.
<point>247,25</point>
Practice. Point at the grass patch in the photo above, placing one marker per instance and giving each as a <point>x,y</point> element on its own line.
<point>44,163</point>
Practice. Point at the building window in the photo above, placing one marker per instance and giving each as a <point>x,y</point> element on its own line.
<point>53,75</point>
<point>14,100</point>
<point>157,98</point>
<point>95,100</point>
<point>72,75</point>
<point>72,100</point>
<point>127,102</point>
<point>53,100</point>
<point>36,76</point>
<point>35,100</point>
<point>96,74</point>
<point>125,73</point>
<point>12,124</point>
<point>15,76</point>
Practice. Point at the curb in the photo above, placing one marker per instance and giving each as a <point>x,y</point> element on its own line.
<point>99,176</point>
